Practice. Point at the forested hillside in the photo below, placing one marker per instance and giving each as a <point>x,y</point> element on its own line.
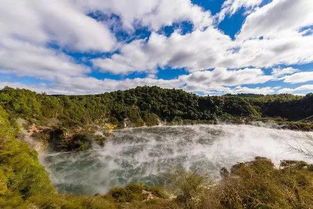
<point>147,105</point>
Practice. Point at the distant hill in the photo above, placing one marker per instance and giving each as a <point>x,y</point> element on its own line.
<point>148,105</point>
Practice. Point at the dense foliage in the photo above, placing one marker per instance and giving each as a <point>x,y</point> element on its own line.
<point>21,175</point>
<point>146,105</point>
<point>256,184</point>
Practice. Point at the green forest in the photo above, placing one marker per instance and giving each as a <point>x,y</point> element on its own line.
<point>24,183</point>
<point>148,105</point>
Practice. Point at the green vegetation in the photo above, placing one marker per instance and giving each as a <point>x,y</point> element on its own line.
<point>255,184</point>
<point>262,186</point>
<point>136,192</point>
<point>146,105</point>
<point>21,175</point>
<point>69,123</point>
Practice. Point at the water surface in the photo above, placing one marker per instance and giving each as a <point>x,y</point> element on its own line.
<point>145,154</point>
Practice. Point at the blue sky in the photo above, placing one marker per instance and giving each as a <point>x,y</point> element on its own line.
<point>208,47</point>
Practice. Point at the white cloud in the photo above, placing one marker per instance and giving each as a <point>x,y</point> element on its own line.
<point>300,77</point>
<point>195,51</point>
<point>277,19</point>
<point>39,21</point>
<point>225,78</point>
<point>283,71</point>
<point>25,59</point>
<point>279,72</point>
<point>152,13</point>
<point>269,37</point>
<point>207,49</point>
<point>40,88</point>
<point>205,81</point>
<point>304,89</point>
<point>269,52</point>
<point>257,90</point>
<point>28,26</point>
<point>217,81</point>
<point>220,81</point>
<point>278,24</point>
<point>230,7</point>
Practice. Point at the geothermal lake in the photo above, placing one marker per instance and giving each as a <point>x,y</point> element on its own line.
<point>146,154</point>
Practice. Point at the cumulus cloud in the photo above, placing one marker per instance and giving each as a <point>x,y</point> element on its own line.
<point>217,81</point>
<point>279,72</point>
<point>304,89</point>
<point>257,90</point>
<point>195,51</point>
<point>38,21</point>
<point>25,59</point>
<point>27,27</point>
<point>279,18</point>
<point>152,13</point>
<point>300,77</point>
<point>221,77</point>
<point>278,33</point>
<point>230,7</point>
<point>207,49</point>
<point>270,36</point>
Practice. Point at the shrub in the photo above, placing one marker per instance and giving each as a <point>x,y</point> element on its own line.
<point>136,192</point>
<point>258,184</point>
<point>188,186</point>
<point>20,172</point>
<point>150,119</point>
<point>79,142</point>
<point>69,202</point>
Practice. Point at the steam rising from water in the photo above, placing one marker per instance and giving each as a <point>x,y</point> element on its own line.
<point>143,154</point>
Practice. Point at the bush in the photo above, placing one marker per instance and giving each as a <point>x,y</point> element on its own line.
<point>136,192</point>
<point>258,184</point>
<point>150,119</point>
<point>69,202</point>
<point>20,172</point>
<point>79,142</point>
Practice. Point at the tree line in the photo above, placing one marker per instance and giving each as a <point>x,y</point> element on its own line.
<point>148,105</point>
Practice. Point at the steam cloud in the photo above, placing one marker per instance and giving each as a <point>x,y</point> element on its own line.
<point>144,154</point>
